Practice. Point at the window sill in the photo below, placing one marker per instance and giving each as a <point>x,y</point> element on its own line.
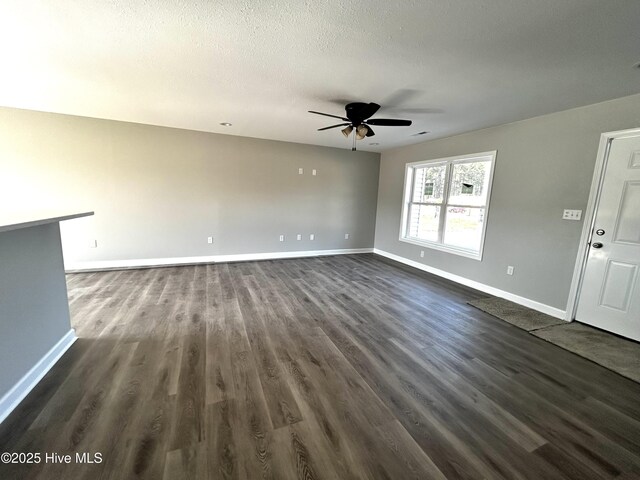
<point>444,248</point>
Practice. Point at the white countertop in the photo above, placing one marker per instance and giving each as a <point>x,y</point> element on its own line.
<point>14,222</point>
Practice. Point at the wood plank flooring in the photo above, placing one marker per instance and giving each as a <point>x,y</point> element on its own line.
<point>346,367</point>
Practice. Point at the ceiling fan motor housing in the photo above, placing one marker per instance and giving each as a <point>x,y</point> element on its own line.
<point>357,112</point>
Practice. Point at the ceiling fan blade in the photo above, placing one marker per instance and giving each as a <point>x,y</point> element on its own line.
<point>334,126</point>
<point>329,115</point>
<point>389,122</point>
<point>370,132</point>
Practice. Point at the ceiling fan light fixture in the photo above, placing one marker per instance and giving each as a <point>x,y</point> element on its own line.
<point>361,132</point>
<point>346,131</point>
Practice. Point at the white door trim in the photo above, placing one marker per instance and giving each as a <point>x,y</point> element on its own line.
<point>590,213</point>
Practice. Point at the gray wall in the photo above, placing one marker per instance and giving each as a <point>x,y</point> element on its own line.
<point>543,166</point>
<point>34,314</point>
<point>160,192</point>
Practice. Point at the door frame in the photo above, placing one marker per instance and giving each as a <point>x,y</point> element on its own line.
<point>590,216</point>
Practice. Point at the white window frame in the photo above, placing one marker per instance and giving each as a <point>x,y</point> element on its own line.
<point>408,196</point>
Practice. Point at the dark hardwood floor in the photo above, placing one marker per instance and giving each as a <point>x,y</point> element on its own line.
<point>335,367</point>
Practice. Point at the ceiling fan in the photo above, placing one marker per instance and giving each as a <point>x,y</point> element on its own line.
<point>358,118</point>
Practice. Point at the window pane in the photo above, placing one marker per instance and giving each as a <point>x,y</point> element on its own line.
<point>424,221</point>
<point>428,184</point>
<point>470,183</point>
<point>463,227</point>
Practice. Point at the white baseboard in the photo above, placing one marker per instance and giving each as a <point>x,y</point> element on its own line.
<point>21,389</point>
<point>496,292</point>
<point>242,257</point>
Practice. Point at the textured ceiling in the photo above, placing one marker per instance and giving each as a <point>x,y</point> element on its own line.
<point>449,65</point>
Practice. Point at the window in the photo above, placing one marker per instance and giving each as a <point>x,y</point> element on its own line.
<point>446,203</point>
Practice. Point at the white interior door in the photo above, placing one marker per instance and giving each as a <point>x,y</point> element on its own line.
<point>610,292</point>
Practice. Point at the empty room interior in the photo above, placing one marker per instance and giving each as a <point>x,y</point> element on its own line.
<point>319,240</point>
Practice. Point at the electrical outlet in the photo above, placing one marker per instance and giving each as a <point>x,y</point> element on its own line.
<point>314,172</point>
<point>312,237</point>
<point>93,244</point>
<point>509,270</point>
<point>209,240</point>
<point>282,238</point>
<point>421,253</point>
<point>299,237</point>
<point>300,171</point>
<point>346,236</point>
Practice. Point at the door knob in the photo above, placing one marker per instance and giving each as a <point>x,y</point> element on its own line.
<point>596,245</point>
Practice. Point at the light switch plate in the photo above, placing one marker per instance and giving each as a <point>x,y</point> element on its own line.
<point>300,171</point>
<point>313,172</point>
<point>299,237</point>
<point>572,214</point>
<point>312,237</point>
